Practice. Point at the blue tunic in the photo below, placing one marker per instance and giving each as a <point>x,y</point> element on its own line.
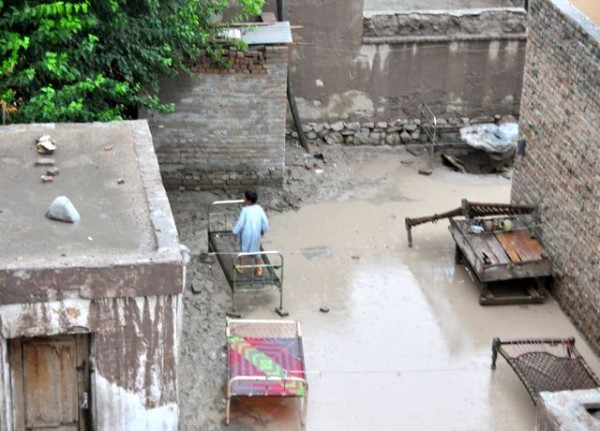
<point>249,227</point>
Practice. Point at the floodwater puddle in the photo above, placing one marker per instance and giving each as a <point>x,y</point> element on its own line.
<point>405,343</point>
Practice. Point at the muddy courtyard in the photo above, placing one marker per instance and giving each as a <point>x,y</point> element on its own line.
<point>405,343</point>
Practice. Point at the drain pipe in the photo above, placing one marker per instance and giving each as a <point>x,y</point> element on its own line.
<point>290,92</point>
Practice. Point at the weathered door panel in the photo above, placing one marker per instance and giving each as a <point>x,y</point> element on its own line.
<point>49,378</point>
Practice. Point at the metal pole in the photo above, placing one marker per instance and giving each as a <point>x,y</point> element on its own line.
<point>290,92</point>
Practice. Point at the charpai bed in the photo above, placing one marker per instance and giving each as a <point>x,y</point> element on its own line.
<point>265,359</point>
<point>546,365</point>
<point>222,216</point>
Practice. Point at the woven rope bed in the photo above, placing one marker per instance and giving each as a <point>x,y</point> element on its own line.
<point>265,359</point>
<point>546,365</point>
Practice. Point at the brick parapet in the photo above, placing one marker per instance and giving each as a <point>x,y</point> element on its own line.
<point>254,60</point>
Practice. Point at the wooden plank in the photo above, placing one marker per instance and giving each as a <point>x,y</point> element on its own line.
<point>511,300</point>
<point>527,248</point>
<point>522,248</point>
<point>484,242</point>
<point>68,381</point>
<point>41,382</point>
<point>506,239</point>
<point>480,244</point>
<point>497,248</point>
<point>511,271</point>
<point>534,248</point>
<point>83,377</point>
<point>15,354</point>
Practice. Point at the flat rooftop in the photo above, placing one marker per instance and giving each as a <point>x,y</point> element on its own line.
<point>98,172</point>
<point>126,238</point>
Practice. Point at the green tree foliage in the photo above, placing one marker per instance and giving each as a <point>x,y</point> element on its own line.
<point>98,60</point>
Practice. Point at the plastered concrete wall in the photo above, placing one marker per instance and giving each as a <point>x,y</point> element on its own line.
<point>560,171</point>
<point>135,347</point>
<point>128,299</point>
<point>568,410</point>
<point>228,129</point>
<point>380,67</point>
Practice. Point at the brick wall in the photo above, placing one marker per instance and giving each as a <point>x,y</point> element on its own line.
<point>560,172</point>
<point>228,130</point>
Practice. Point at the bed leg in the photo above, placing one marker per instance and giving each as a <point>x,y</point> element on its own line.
<point>227,409</point>
<point>281,312</point>
<point>234,314</point>
<point>304,408</point>
<point>495,345</point>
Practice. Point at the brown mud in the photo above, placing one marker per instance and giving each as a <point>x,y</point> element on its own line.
<point>405,344</point>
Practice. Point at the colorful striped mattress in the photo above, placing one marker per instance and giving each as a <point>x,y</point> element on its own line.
<point>265,358</point>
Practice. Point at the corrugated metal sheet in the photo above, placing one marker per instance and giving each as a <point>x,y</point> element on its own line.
<point>271,34</point>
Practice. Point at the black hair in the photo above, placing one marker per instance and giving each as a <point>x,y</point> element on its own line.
<point>251,195</point>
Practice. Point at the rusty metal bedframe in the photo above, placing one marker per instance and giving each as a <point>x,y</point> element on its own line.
<point>545,364</point>
<point>221,218</point>
<point>265,358</point>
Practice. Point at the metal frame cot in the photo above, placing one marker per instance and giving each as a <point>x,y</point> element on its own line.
<point>221,218</point>
<point>265,358</point>
<point>546,364</point>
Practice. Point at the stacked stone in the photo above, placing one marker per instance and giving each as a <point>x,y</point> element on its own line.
<point>393,133</point>
<point>449,25</point>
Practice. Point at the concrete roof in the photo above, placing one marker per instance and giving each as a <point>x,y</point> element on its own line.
<point>122,222</point>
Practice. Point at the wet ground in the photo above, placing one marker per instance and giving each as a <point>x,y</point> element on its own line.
<point>405,344</point>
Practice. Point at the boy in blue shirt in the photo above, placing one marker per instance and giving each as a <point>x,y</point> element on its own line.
<point>250,227</point>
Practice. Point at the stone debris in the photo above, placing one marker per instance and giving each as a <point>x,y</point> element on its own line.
<point>120,181</point>
<point>108,147</point>
<point>53,171</point>
<point>47,179</point>
<point>317,253</point>
<point>45,144</point>
<point>45,161</point>
<point>62,209</point>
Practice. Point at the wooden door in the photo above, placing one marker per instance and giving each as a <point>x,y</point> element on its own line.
<point>50,382</point>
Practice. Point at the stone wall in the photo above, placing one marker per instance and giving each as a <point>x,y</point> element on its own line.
<point>560,172</point>
<point>228,129</point>
<point>351,65</point>
<point>401,131</point>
